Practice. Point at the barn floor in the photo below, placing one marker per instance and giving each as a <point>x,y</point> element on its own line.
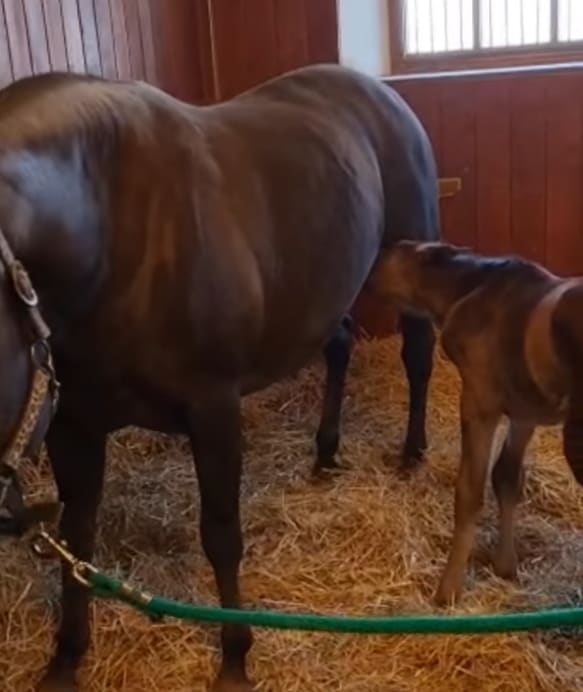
<point>368,543</point>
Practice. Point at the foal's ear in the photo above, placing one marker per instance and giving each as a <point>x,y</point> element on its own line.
<point>438,254</point>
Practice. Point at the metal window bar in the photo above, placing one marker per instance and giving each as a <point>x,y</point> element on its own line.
<point>442,26</point>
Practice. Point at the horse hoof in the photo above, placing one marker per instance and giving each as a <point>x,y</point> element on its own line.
<point>58,678</point>
<point>225,684</point>
<point>62,683</point>
<point>506,568</point>
<point>327,470</point>
<point>410,464</point>
<point>447,594</point>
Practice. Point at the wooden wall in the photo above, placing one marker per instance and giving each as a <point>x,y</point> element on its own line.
<point>165,43</point>
<point>516,141</point>
<point>254,40</point>
<point>198,50</point>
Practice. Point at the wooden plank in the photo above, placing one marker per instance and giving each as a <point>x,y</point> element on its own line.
<point>493,177</point>
<point>6,75</point>
<point>37,34</point>
<point>134,39</point>
<point>564,142</point>
<point>104,28</point>
<point>90,39</point>
<point>322,30</point>
<point>458,160</point>
<point>528,157</point>
<point>122,55</point>
<point>55,35</point>
<point>228,17</point>
<point>148,44</point>
<point>18,42</point>
<point>186,71</point>
<point>73,36</point>
<point>291,34</point>
<point>245,43</point>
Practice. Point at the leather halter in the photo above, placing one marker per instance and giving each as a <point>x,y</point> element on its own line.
<point>15,516</point>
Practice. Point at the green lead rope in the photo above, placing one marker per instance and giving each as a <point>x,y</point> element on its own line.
<point>157,607</point>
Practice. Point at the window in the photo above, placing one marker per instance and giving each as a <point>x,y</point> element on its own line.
<point>442,34</point>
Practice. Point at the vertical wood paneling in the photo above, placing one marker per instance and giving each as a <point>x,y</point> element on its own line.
<point>322,26</point>
<point>73,36</point>
<point>147,36</point>
<point>516,141</point>
<point>134,39</point>
<point>493,166</point>
<point>291,34</point>
<point>458,159</point>
<point>6,75</point>
<point>89,36</point>
<point>104,27</point>
<point>257,39</point>
<point>37,32</point>
<point>18,42</point>
<point>55,34</point>
<point>564,143</point>
<point>122,53</point>
<point>183,51</point>
<point>528,156</point>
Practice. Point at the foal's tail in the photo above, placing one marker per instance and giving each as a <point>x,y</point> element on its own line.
<point>567,325</point>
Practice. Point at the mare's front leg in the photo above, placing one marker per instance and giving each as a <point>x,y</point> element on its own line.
<point>337,354</point>
<point>478,428</point>
<point>216,443</point>
<point>78,462</point>
<point>417,355</point>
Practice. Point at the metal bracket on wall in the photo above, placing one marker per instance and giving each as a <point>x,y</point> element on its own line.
<point>449,187</point>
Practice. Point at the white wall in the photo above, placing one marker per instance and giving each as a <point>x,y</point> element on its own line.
<point>363,27</point>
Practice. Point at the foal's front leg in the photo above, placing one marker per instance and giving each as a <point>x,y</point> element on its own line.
<point>478,429</point>
<point>78,462</point>
<point>216,444</point>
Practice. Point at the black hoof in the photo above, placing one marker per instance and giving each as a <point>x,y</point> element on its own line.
<point>327,469</point>
<point>411,462</point>
<point>60,683</point>
<point>229,684</point>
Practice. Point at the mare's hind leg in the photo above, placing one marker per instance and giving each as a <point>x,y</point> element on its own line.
<point>78,461</point>
<point>337,354</point>
<point>508,482</point>
<point>417,355</point>
<point>216,444</point>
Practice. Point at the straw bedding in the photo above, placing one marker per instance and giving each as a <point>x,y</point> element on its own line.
<point>367,543</point>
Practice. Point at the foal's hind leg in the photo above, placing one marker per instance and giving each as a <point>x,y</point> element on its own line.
<point>78,461</point>
<point>508,482</point>
<point>337,354</point>
<point>417,355</point>
<point>216,444</point>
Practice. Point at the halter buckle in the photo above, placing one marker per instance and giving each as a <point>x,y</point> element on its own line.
<point>23,285</point>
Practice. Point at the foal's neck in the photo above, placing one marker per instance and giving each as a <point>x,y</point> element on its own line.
<point>444,286</point>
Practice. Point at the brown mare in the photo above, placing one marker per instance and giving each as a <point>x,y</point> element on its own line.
<point>186,256</point>
<point>515,333</point>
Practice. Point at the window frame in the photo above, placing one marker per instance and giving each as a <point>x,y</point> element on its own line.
<point>555,52</point>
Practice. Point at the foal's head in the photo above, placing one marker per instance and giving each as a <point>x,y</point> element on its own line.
<point>417,275</point>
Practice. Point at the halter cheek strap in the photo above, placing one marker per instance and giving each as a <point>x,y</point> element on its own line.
<point>15,517</point>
